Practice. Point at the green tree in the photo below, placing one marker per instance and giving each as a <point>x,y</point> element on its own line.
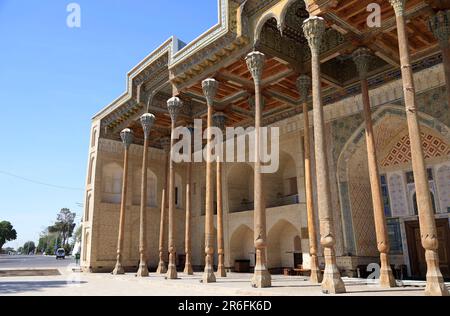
<point>64,225</point>
<point>7,233</point>
<point>29,247</point>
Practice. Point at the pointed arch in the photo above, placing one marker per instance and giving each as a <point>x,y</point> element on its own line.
<point>112,175</point>
<point>242,245</point>
<point>281,244</point>
<point>345,163</point>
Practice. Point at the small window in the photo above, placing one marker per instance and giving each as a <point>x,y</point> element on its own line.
<point>385,193</point>
<point>395,236</point>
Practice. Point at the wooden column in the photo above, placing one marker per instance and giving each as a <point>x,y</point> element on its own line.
<point>162,269</point>
<point>188,244</point>
<point>174,106</point>
<point>435,282</point>
<point>304,86</point>
<point>362,58</point>
<point>210,87</point>
<point>219,121</point>
<point>314,27</point>
<point>262,278</point>
<point>147,121</point>
<point>440,26</point>
<point>127,139</point>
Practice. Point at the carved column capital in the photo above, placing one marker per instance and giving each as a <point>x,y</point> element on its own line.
<point>147,121</point>
<point>399,7</point>
<point>314,28</point>
<point>210,87</point>
<point>304,87</point>
<point>252,103</point>
<point>439,25</point>
<point>219,119</point>
<point>174,106</point>
<point>362,57</point>
<point>255,63</point>
<point>127,137</point>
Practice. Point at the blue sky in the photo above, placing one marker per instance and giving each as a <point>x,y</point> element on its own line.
<point>53,79</point>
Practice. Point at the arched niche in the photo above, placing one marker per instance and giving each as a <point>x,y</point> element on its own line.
<point>281,245</point>
<point>242,246</point>
<point>282,13</point>
<point>353,179</point>
<point>112,175</point>
<point>240,181</point>
<point>281,188</point>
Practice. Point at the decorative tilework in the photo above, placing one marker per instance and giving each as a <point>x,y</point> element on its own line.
<point>363,221</point>
<point>347,219</point>
<point>433,146</point>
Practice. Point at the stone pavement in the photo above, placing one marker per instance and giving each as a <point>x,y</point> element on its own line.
<point>81,284</point>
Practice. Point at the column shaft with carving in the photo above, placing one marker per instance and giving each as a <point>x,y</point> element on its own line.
<point>262,278</point>
<point>219,121</point>
<point>435,282</point>
<point>304,85</point>
<point>162,269</point>
<point>210,87</point>
<point>314,28</point>
<point>174,106</point>
<point>362,58</point>
<point>147,121</point>
<point>440,26</point>
<point>127,139</point>
<point>188,244</point>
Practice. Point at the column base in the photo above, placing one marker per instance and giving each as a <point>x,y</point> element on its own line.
<point>221,271</point>
<point>332,282</point>
<point>316,275</point>
<point>387,279</point>
<point>436,287</point>
<point>261,279</point>
<point>435,280</point>
<point>188,269</point>
<point>143,270</point>
<point>172,272</point>
<point>118,270</point>
<point>161,268</point>
<point>208,275</point>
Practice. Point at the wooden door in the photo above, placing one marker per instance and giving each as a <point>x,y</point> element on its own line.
<point>417,253</point>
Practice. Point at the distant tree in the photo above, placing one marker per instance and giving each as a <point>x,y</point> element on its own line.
<point>7,233</point>
<point>20,250</point>
<point>29,247</point>
<point>46,240</point>
<point>64,225</point>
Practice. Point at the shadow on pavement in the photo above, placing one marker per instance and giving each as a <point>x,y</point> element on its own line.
<point>23,287</point>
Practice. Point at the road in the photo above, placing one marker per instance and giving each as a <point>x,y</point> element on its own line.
<point>33,262</point>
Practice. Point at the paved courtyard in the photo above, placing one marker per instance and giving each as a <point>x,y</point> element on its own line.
<point>70,284</point>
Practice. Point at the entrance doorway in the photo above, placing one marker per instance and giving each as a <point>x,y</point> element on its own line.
<point>417,253</point>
